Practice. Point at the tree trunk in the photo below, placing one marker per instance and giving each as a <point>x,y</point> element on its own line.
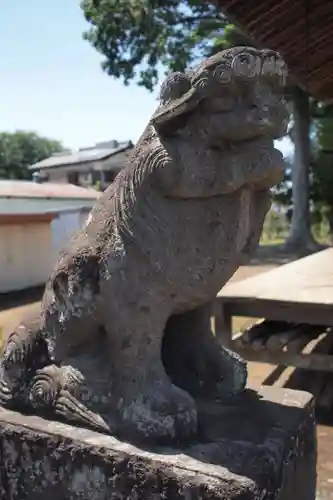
<point>300,239</point>
<point>330,220</point>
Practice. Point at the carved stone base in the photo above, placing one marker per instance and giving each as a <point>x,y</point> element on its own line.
<point>262,446</point>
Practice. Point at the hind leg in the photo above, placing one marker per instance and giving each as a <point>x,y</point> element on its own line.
<point>146,403</point>
<point>194,359</point>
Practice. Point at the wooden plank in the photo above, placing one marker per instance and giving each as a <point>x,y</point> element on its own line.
<point>300,336</point>
<point>278,341</point>
<point>314,314</point>
<point>317,362</point>
<point>262,328</point>
<point>304,281</point>
<point>325,400</point>
<point>275,335</point>
<point>317,383</point>
<point>297,345</point>
<point>258,344</point>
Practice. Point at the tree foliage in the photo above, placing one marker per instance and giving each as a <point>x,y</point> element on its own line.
<point>20,149</point>
<point>138,37</point>
<point>321,167</point>
<point>231,36</point>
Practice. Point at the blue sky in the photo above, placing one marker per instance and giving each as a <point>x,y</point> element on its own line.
<point>52,83</point>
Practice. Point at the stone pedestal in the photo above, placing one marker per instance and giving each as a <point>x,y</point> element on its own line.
<point>261,447</point>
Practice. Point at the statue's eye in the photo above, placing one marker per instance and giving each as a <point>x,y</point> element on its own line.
<point>219,104</point>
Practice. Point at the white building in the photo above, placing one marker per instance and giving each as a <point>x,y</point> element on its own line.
<point>98,164</point>
<point>36,220</point>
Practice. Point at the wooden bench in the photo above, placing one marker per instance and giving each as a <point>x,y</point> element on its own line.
<point>300,294</point>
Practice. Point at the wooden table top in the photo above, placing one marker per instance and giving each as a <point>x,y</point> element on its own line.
<point>304,281</point>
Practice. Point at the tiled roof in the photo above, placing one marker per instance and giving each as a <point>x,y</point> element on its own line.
<point>82,156</point>
<point>28,189</point>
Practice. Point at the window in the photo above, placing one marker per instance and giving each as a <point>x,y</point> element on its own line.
<point>109,176</point>
<point>73,178</point>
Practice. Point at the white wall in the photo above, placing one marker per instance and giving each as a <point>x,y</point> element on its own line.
<point>28,251</point>
<point>65,225</point>
<point>25,257</point>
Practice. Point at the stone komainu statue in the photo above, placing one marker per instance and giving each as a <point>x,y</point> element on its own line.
<point>123,342</point>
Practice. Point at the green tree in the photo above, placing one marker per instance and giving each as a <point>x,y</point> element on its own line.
<point>300,239</point>
<point>139,37</point>
<point>322,165</point>
<point>320,175</point>
<point>20,149</point>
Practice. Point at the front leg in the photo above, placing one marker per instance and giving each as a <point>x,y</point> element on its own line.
<point>145,404</point>
<point>194,359</point>
<point>261,202</point>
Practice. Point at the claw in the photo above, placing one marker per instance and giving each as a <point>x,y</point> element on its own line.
<point>70,409</point>
<point>49,391</point>
<point>45,387</point>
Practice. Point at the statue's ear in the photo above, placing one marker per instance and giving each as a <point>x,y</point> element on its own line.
<point>177,99</point>
<point>175,86</point>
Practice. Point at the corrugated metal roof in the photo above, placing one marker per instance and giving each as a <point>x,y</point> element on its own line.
<point>28,189</point>
<point>81,156</point>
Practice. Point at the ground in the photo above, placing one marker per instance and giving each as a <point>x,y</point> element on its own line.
<point>14,306</point>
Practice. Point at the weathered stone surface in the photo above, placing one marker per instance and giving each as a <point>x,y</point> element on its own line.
<point>262,447</point>
<point>161,241</point>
